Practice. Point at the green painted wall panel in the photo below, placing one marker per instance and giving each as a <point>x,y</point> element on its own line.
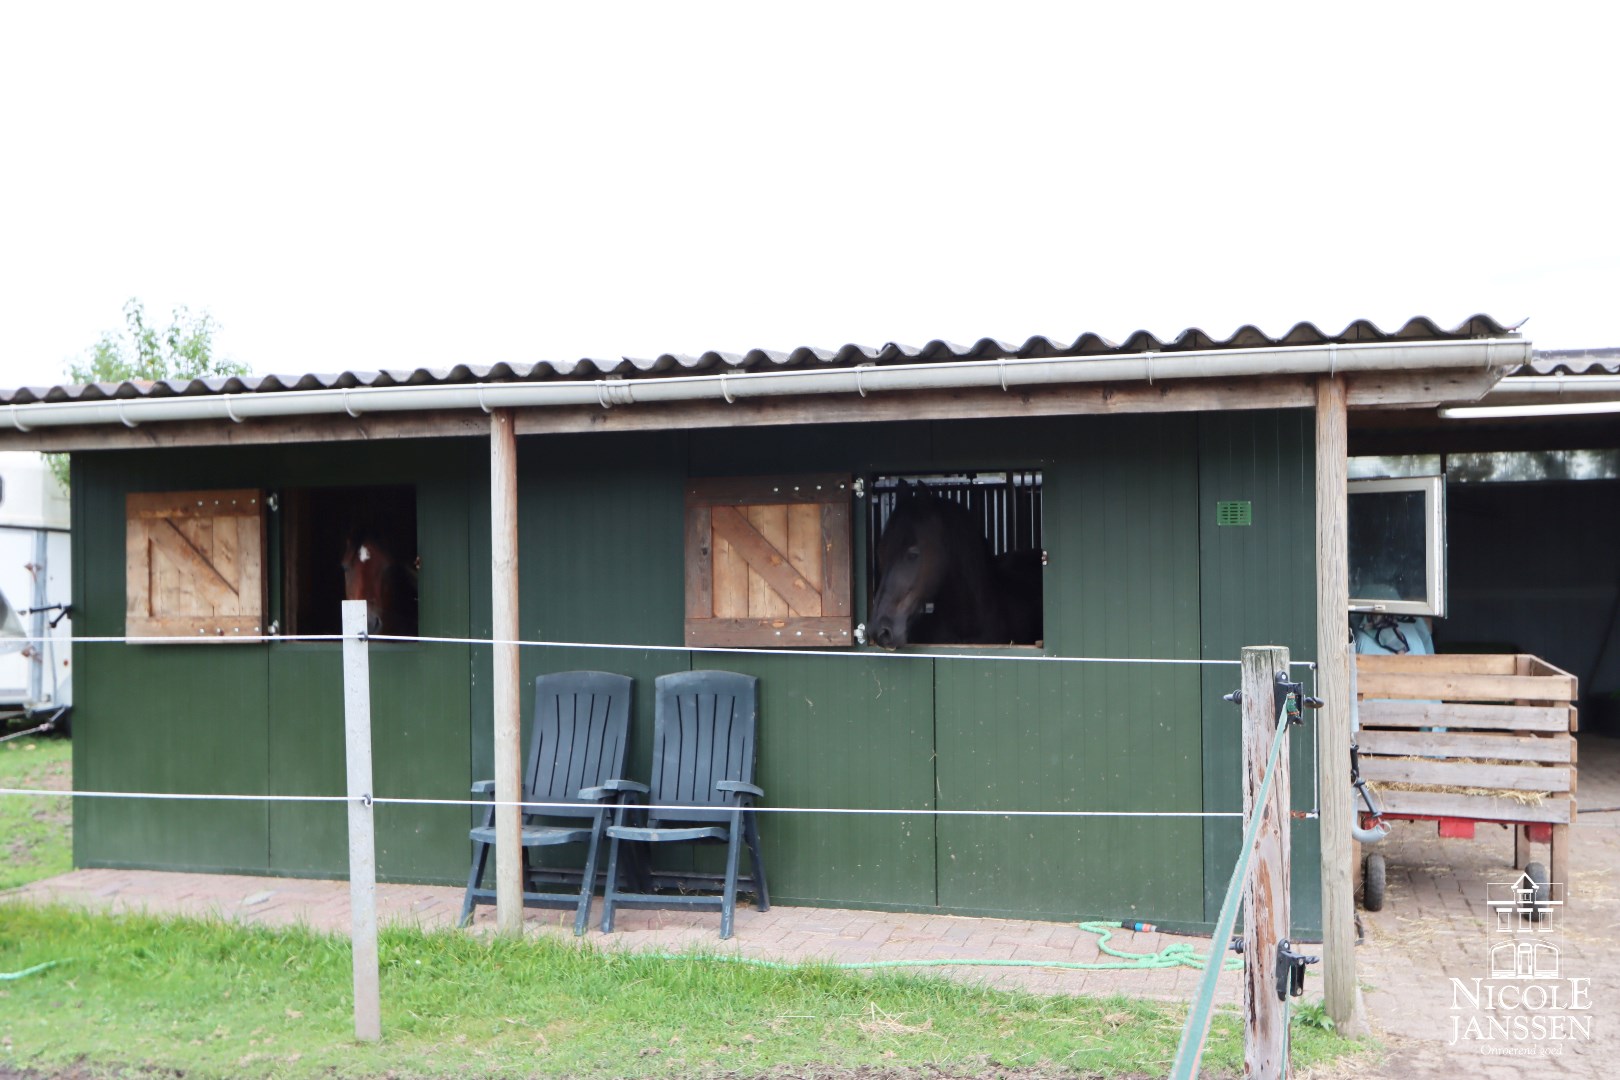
<point>1122,582</point>
<point>1259,588</point>
<point>268,718</point>
<point>152,719</point>
<point>1138,570</point>
<point>838,733</point>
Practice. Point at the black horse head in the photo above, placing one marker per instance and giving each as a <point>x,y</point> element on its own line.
<point>936,580</point>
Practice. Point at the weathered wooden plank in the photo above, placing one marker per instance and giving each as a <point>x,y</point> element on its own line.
<point>203,629</point>
<point>1374,389</point>
<point>699,564</point>
<point>791,632</point>
<point>765,599</point>
<point>1557,809</point>
<point>229,502</point>
<point>197,575</point>
<point>1444,663</point>
<point>1467,687</point>
<point>224,551</point>
<point>1416,714</point>
<point>1190,395</point>
<point>837,559</point>
<point>764,559</point>
<point>730,575</point>
<point>1266,889</point>
<point>253,584</point>
<point>1467,774</point>
<point>137,570</point>
<point>803,546</point>
<point>1556,748</point>
<point>767,490</point>
<point>1331,396</point>
<point>1537,666</point>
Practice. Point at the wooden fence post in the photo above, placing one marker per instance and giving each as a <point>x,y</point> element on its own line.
<point>362,833</point>
<point>1333,660</point>
<point>1265,892</point>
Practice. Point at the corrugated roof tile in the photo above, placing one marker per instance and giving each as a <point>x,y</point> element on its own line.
<point>803,356</point>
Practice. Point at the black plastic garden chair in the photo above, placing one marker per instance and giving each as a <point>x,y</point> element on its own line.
<point>577,743</point>
<point>702,790</point>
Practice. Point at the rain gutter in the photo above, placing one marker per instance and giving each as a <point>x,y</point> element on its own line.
<point>1474,353</point>
<point>1530,396</point>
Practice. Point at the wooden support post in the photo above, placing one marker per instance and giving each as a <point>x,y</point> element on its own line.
<point>1266,890</point>
<point>503,491</point>
<point>1333,686</point>
<point>362,834</point>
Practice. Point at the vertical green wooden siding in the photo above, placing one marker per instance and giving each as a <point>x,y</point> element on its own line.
<point>1122,582</point>
<point>1258,588</point>
<point>1137,570</point>
<point>268,718</point>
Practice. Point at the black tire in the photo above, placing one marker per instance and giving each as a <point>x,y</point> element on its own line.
<point>1373,882</point>
<point>1538,874</point>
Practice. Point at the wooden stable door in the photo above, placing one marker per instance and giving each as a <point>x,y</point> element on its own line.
<point>768,562</point>
<point>194,565</point>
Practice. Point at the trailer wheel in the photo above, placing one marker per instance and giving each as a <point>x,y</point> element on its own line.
<point>1538,874</point>
<point>1373,882</point>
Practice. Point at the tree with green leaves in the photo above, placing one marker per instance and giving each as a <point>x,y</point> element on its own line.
<point>143,352</point>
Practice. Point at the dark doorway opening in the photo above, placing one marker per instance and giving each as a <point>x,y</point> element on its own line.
<point>324,527</point>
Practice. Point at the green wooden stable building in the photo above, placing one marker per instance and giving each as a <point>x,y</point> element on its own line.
<point>1179,509</point>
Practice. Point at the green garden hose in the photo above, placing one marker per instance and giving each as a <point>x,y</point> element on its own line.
<point>1178,954</point>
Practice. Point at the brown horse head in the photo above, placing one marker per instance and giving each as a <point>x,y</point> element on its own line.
<point>371,573</point>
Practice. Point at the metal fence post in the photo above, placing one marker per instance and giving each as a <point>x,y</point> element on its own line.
<point>362,833</point>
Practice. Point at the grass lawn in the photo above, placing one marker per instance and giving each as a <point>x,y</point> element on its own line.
<point>135,995</point>
<point>140,995</point>
<point>36,833</point>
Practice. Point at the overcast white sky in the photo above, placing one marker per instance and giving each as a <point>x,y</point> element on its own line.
<point>348,186</point>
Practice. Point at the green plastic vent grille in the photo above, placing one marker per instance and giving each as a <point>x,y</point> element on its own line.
<point>1234,513</point>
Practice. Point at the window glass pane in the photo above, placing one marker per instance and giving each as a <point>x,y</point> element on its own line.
<point>1387,546</point>
<point>1370,468</point>
<point>1529,465</point>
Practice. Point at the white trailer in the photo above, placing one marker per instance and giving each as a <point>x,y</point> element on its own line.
<point>36,659</point>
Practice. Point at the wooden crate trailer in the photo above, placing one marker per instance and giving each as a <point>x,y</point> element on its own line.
<point>1463,739</point>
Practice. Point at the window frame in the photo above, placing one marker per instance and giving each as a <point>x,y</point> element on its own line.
<point>1433,489</point>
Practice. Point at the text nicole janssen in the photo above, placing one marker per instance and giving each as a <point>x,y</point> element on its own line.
<point>1532,1011</point>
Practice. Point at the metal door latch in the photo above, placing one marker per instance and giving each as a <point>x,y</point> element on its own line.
<point>1291,970</point>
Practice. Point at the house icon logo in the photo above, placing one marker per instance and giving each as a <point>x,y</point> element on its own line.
<point>1523,912</point>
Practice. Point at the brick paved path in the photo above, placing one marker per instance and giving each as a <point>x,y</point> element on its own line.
<point>1435,926</point>
<point>783,933</point>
